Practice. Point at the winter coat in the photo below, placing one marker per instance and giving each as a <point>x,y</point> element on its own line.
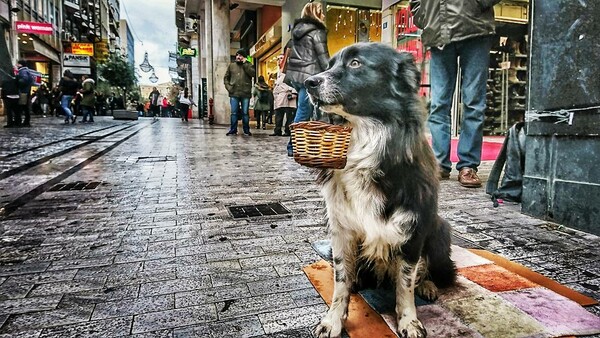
<point>68,86</point>
<point>256,93</point>
<point>153,97</point>
<point>308,55</point>
<point>238,79</point>
<point>88,96</point>
<point>25,80</point>
<point>447,21</point>
<point>281,92</point>
<point>42,96</point>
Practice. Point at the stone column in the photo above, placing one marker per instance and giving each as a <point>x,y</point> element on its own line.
<point>195,83</point>
<point>218,56</point>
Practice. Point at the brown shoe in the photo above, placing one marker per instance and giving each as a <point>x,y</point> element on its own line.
<point>467,177</point>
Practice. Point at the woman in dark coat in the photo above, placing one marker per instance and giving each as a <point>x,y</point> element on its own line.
<point>308,55</point>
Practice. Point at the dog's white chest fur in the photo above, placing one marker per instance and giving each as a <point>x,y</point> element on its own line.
<point>353,198</point>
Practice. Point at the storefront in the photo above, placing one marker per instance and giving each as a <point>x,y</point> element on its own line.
<point>41,57</point>
<point>265,53</point>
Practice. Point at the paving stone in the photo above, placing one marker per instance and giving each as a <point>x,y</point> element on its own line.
<point>114,327</point>
<point>233,254</point>
<point>47,319</point>
<point>30,304</point>
<point>280,284</point>
<point>203,249</point>
<point>234,277</point>
<point>303,317</point>
<point>44,277</point>
<point>276,259</point>
<point>115,269</point>
<point>106,294</point>
<point>70,286</point>
<point>14,289</point>
<point>133,306</point>
<point>190,271</point>
<point>141,277</point>
<point>174,262</point>
<point>294,333</point>
<point>254,305</point>
<point>154,334</point>
<point>174,318</point>
<point>18,269</point>
<point>237,328</point>
<point>210,295</point>
<point>80,263</point>
<point>174,285</point>
<point>308,296</point>
<point>23,334</point>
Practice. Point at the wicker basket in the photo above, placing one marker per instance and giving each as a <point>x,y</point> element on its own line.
<point>320,145</point>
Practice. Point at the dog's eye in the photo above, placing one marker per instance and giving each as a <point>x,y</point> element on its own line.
<point>354,63</point>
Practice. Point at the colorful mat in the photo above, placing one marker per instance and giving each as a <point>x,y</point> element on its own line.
<point>489,150</point>
<point>489,300</point>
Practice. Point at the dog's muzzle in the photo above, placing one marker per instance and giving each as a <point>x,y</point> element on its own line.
<point>313,87</point>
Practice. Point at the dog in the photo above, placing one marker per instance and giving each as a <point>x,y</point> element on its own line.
<point>382,207</point>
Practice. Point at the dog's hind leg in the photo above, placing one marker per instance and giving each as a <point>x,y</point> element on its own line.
<point>344,263</point>
<point>406,312</point>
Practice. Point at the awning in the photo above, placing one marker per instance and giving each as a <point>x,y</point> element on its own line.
<point>385,4</point>
<point>41,48</point>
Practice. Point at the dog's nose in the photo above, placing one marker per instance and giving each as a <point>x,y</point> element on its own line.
<point>313,82</point>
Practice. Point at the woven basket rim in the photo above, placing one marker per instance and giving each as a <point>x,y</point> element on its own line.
<point>319,125</point>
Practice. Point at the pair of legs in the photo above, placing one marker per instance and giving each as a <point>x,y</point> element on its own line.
<point>65,103</point>
<point>261,115</point>
<point>87,111</point>
<point>13,116</point>
<point>288,112</point>
<point>473,56</point>
<point>303,112</point>
<point>183,108</point>
<point>235,103</point>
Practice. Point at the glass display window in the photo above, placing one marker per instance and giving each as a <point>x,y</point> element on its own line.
<point>269,65</point>
<point>348,25</point>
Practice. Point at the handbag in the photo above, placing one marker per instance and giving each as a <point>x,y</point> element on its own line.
<point>23,99</point>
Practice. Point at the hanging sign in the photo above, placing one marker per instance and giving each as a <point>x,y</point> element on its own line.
<point>34,27</point>
<point>72,60</point>
<point>188,52</point>
<point>82,48</point>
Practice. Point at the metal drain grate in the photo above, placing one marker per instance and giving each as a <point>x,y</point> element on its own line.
<point>157,159</point>
<point>257,210</point>
<point>75,186</point>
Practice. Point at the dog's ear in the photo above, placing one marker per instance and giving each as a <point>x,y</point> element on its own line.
<point>408,76</point>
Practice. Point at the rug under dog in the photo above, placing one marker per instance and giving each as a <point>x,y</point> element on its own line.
<point>489,300</point>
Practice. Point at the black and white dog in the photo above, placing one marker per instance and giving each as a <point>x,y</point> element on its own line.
<point>382,207</point>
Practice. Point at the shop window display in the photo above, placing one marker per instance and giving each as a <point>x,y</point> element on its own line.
<point>348,25</point>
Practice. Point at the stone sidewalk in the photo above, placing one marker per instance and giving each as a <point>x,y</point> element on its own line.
<point>148,247</point>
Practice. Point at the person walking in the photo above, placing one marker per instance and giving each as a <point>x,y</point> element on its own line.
<point>263,102</point>
<point>154,102</point>
<point>185,102</point>
<point>10,97</point>
<point>112,102</point>
<point>88,99</point>
<point>308,55</point>
<point>458,33</point>
<point>25,81</point>
<point>68,87</point>
<point>284,102</point>
<point>238,82</point>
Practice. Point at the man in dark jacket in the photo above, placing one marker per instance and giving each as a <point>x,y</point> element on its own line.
<point>457,32</point>
<point>25,81</point>
<point>238,82</point>
<point>10,97</point>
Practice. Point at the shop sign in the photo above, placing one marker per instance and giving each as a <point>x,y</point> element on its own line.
<point>188,52</point>
<point>73,60</point>
<point>79,70</point>
<point>268,40</point>
<point>37,77</point>
<point>82,48</point>
<point>34,27</point>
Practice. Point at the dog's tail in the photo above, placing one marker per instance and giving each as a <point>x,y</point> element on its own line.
<point>442,271</point>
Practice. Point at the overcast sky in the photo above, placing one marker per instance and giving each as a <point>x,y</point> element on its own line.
<point>152,23</point>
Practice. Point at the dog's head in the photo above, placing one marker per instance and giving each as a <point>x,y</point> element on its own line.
<point>366,80</point>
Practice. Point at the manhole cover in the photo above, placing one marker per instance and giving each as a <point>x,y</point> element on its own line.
<point>75,186</point>
<point>257,210</point>
<point>157,159</point>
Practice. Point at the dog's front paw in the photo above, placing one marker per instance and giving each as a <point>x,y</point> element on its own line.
<point>427,290</point>
<point>329,328</point>
<point>411,329</point>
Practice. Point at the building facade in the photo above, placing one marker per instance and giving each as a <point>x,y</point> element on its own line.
<point>127,43</point>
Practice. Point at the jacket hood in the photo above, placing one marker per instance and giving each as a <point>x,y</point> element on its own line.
<point>88,80</point>
<point>304,26</point>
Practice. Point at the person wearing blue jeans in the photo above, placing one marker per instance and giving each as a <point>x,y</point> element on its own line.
<point>238,82</point>
<point>307,55</point>
<point>65,103</point>
<point>235,103</point>
<point>304,111</point>
<point>68,87</point>
<point>458,33</point>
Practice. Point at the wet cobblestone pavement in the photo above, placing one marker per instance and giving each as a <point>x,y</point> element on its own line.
<point>152,250</point>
